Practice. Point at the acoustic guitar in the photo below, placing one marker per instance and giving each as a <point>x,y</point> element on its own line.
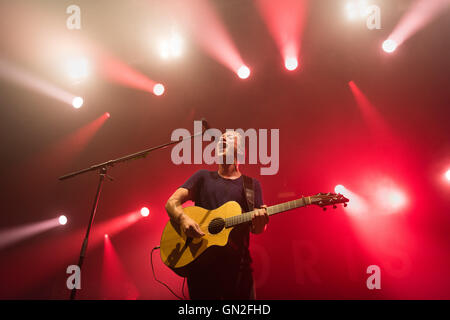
<point>178,251</point>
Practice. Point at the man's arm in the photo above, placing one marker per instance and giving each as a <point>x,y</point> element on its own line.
<point>175,211</point>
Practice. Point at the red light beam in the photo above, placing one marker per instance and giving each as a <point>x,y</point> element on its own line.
<point>117,71</point>
<point>59,154</point>
<point>199,17</point>
<point>29,81</point>
<point>418,16</point>
<point>356,206</point>
<point>59,253</point>
<point>17,234</point>
<point>116,284</point>
<point>285,20</point>
<point>369,112</point>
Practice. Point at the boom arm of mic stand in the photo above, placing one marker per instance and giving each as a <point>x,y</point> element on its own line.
<point>133,156</point>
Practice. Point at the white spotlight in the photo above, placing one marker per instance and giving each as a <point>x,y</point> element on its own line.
<point>77,68</point>
<point>389,45</point>
<point>158,89</point>
<point>352,10</point>
<point>77,102</point>
<point>447,175</point>
<point>339,189</point>
<point>243,72</point>
<point>145,211</point>
<point>291,63</point>
<point>62,220</point>
<point>171,47</point>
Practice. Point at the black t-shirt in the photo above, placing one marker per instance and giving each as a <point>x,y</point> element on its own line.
<point>209,190</point>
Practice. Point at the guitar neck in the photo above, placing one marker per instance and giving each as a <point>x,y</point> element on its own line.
<point>282,207</point>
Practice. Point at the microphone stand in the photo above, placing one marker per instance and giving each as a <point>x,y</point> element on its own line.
<point>102,169</point>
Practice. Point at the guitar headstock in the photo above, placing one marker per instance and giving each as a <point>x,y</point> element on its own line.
<point>324,200</point>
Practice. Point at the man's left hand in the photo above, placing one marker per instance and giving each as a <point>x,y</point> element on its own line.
<point>260,219</point>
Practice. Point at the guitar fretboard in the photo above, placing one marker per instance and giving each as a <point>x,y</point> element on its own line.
<point>247,216</point>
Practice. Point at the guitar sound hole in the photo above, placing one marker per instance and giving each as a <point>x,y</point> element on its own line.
<point>216,225</point>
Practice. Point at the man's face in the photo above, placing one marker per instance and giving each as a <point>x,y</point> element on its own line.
<point>227,145</point>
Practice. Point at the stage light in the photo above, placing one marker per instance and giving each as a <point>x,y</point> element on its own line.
<point>10,236</point>
<point>243,72</point>
<point>357,205</point>
<point>172,47</point>
<point>77,68</point>
<point>145,212</point>
<point>418,15</point>
<point>389,45</point>
<point>390,198</point>
<point>158,89</point>
<point>447,175</point>
<point>164,51</point>
<point>291,63</point>
<point>107,115</point>
<point>77,102</point>
<point>115,283</point>
<point>356,9</point>
<point>396,199</point>
<point>200,19</point>
<point>106,236</point>
<point>370,113</point>
<point>62,220</point>
<point>352,11</point>
<point>30,81</point>
<point>285,21</point>
<point>117,71</point>
<point>340,189</point>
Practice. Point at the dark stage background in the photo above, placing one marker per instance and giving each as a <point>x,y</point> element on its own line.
<point>325,140</point>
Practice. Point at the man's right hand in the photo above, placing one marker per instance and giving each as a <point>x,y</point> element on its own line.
<point>190,227</point>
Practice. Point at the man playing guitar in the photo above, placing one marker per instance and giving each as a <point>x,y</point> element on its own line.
<point>222,272</point>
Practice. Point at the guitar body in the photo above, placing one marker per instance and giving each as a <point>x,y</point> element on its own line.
<point>178,251</point>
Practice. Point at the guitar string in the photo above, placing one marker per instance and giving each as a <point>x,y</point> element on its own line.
<point>244,215</point>
<point>218,222</point>
<point>235,218</point>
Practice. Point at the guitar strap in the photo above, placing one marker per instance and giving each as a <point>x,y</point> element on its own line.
<point>249,192</point>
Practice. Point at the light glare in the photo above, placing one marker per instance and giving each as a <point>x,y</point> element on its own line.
<point>158,89</point>
<point>389,45</point>
<point>62,220</point>
<point>243,72</point>
<point>447,175</point>
<point>77,68</point>
<point>77,102</point>
<point>291,63</point>
<point>339,189</point>
<point>171,47</point>
<point>356,9</point>
<point>145,212</point>
<point>397,199</point>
